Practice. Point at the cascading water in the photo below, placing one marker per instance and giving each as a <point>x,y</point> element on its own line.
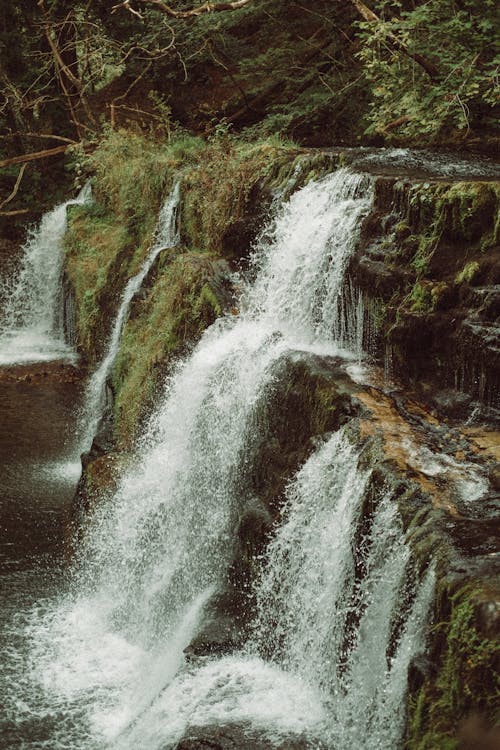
<point>31,325</point>
<point>106,658</point>
<point>166,235</point>
<point>317,619</point>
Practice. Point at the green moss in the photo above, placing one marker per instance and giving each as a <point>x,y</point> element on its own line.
<point>466,679</point>
<point>174,313</point>
<point>421,299</point>
<point>133,173</point>
<point>463,212</point>
<point>473,207</point>
<point>467,273</point>
<point>95,242</point>
<point>226,172</point>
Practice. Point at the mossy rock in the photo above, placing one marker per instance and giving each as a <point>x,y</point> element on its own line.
<point>464,678</point>
<point>188,293</point>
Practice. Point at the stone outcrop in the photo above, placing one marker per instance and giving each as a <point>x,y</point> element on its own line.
<point>428,270</point>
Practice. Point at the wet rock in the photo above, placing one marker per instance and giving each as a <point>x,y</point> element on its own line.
<point>221,634</point>
<point>494,476</point>
<point>311,396</point>
<point>476,536</point>
<point>420,670</point>
<point>382,277</point>
<point>104,440</point>
<point>236,737</point>
<point>433,297</point>
<point>240,235</point>
<point>476,734</point>
<point>228,613</point>
<point>451,403</point>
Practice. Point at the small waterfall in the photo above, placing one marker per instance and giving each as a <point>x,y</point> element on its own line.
<point>166,235</point>
<point>111,652</point>
<point>32,326</point>
<point>302,263</point>
<point>344,633</point>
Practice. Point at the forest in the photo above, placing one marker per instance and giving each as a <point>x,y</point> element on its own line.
<point>318,73</point>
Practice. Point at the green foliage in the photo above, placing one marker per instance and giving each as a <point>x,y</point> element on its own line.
<point>95,243</point>
<point>464,212</point>
<point>421,300</point>
<point>226,171</point>
<point>132,174</point>
<point>457,39</point>
<point>107,241</point>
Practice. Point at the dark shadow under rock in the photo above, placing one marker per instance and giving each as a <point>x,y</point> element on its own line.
<point>236,737</point>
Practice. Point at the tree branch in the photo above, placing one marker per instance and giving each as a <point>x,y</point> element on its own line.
<point>14,213</point>
<point>33,157</point>
<point>371,17</point>
<point>48,136</point>
<point>197,11</point>
<point>16,187</point>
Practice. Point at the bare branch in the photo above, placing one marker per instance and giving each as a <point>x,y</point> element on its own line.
<point>14,213</point>
<point>33,157</point>
<point>126,5</point>
<point>16,187</point>
<point>197,11</point>
<point>39,135</point>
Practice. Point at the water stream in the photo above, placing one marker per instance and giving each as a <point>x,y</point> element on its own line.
<point>102,661</point>
<point>166,235</point>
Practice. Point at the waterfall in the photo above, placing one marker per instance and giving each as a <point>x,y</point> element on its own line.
<point>110,652</point>
<point>319,619</point>
<point>32,326</point>
<point>166,235</point>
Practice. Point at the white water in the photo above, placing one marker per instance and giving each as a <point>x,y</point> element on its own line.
<point>166,235</point>
<point>31,324</point>
<point>107,659</point>
<point>309,595</point>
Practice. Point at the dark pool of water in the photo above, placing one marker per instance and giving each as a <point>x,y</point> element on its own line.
<point>38,475</point>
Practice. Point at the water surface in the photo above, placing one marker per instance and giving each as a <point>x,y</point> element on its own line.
<point>38,475</point>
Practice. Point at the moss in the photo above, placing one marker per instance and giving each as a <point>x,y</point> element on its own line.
<point>473,207</point>
<point>227,172</point>
<point>175,311</point>
<point>460,212</point>
<point>442,236</point>
<point>95,244</point>
<point>421,299</point>
<point>465,680</point>
<point>467,273</point>
<point>133,173</point>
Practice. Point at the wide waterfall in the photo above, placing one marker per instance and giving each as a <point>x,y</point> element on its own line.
<point>166,235</point>
<point>32,325</point>
<point>329,649</point>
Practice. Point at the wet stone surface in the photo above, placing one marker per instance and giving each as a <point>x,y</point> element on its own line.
<point>234,737</point>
